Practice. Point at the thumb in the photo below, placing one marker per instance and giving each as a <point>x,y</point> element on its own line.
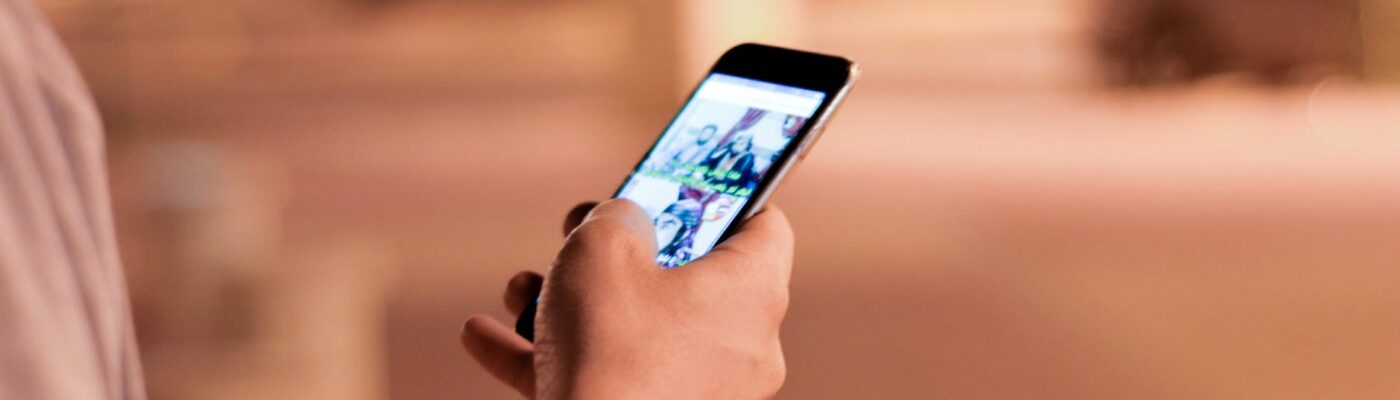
<point>614,233</point>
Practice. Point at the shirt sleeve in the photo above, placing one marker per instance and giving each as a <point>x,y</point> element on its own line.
<point>65,320</point>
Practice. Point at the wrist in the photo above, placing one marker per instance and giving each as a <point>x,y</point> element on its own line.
<point>597,387</point>
<point>618,378</point>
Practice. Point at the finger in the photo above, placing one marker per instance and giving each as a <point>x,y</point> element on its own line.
<point>614,232</point>
<point>621,210</point>
<point>497,348</point>
<point>764,241</point>
<point>576,215</point>
<point>522,289</point>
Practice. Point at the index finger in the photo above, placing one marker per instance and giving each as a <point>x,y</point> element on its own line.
<point>576,215</point>
<point>762,245</point>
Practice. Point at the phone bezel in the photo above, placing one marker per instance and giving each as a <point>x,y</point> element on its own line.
<point>828,74</point>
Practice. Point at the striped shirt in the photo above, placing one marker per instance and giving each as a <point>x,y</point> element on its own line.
<point>65,321</point>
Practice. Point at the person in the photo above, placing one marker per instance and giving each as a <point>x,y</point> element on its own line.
<point>610,323</point>
<point>732,165</point>
<point>675,232</point>
<point>691,153</point>
<point>65,323</point>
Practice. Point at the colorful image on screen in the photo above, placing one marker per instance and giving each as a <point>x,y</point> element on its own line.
<point>709,162</point>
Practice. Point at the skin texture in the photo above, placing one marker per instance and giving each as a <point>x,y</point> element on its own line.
<point>613,325</point>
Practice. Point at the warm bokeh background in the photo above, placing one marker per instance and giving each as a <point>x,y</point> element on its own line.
<point>1022,199</point>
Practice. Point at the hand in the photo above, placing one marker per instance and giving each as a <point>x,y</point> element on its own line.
<point>611,324</point>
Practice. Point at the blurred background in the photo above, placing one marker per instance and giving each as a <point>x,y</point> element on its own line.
<point>1021,199</point>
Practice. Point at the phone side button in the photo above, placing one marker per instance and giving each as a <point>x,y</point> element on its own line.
<point>807,145</point>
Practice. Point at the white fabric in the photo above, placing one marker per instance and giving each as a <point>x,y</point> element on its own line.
<point>65,322</point>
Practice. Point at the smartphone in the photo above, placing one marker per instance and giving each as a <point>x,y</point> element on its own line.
<point>754,116</point>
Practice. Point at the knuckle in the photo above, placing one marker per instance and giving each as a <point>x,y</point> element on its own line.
<point>778,304</point>
<point>785,237</point>
<point>771,372</point>
<point>594,230</point>
<point>603,237</point>
<point>614,206</point>
<point>732,275</point>
<point>777,375</point>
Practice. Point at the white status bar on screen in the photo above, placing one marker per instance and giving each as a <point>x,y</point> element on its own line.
<point>764,95</point>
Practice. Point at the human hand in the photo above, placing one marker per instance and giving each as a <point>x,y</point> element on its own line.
<point>612,324</point>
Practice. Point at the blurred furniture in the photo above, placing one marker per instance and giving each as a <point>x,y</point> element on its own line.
<point>226,306</point>
<point>1153,42</point>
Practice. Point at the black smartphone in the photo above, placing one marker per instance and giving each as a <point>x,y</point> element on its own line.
<point>753,117</point>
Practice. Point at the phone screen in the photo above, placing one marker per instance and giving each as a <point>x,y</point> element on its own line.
<point>708,164</point>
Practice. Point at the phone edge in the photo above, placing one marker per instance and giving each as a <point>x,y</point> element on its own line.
<point>800,152</point>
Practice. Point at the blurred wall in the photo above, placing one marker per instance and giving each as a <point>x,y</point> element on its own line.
<point>313,194</point>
